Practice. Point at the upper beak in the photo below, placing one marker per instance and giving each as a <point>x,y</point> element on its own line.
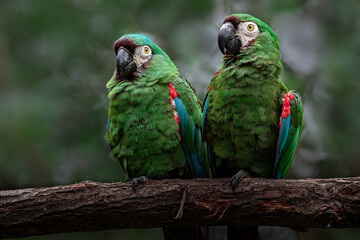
<point>125,64</point>
<point>227,40</point>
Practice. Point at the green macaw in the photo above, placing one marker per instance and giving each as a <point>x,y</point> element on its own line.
<point>154,126</point>
<point>251,120</point>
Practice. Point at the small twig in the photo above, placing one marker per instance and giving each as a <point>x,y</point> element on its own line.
<point>300,235</point>
<point>181,209</point>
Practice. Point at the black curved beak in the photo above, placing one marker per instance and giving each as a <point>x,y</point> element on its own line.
<point>228,41</point>
<point>125,65</point>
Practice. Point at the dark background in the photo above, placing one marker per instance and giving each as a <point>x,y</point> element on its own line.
<point>56,57</point>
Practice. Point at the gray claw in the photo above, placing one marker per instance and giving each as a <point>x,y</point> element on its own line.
<point>240,175</point>
<point>138,180</point>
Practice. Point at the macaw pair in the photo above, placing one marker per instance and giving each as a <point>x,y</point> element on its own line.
<point>250,123</point>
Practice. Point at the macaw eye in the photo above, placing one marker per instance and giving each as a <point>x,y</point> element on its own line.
<point>250,27</point>
<point>146,50</point>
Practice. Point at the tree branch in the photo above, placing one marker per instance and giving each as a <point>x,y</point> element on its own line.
<point>90,206</point>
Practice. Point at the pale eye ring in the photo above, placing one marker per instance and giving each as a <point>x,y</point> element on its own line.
<point>146,50</point>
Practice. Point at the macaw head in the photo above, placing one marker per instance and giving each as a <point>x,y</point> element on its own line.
<point>242,34</point>
<point>138,57</point>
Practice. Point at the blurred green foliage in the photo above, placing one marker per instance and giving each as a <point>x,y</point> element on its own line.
<point>56,57</point>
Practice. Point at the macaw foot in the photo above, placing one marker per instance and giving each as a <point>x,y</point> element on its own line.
<point>138,180</point>
<point>237,178</point>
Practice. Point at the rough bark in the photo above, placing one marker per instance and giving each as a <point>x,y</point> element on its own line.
<point>90,206</point>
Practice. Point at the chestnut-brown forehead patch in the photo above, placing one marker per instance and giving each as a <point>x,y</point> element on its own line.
<point>129,44</point>
<point>233,20</point>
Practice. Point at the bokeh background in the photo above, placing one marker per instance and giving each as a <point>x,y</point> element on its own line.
<point>56,57</point>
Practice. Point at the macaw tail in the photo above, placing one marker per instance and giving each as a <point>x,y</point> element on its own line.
<point>249,233</point>
<point>186,233</point>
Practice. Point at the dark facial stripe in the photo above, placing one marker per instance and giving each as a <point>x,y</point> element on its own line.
<point>233,20</point>
<point>129,44</point>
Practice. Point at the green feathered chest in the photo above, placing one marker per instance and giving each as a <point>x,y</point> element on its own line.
<point>143,133</point>
<point>243,120</point>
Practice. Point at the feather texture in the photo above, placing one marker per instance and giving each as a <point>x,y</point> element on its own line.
<point>142,130</point>
<point>243,106</point>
